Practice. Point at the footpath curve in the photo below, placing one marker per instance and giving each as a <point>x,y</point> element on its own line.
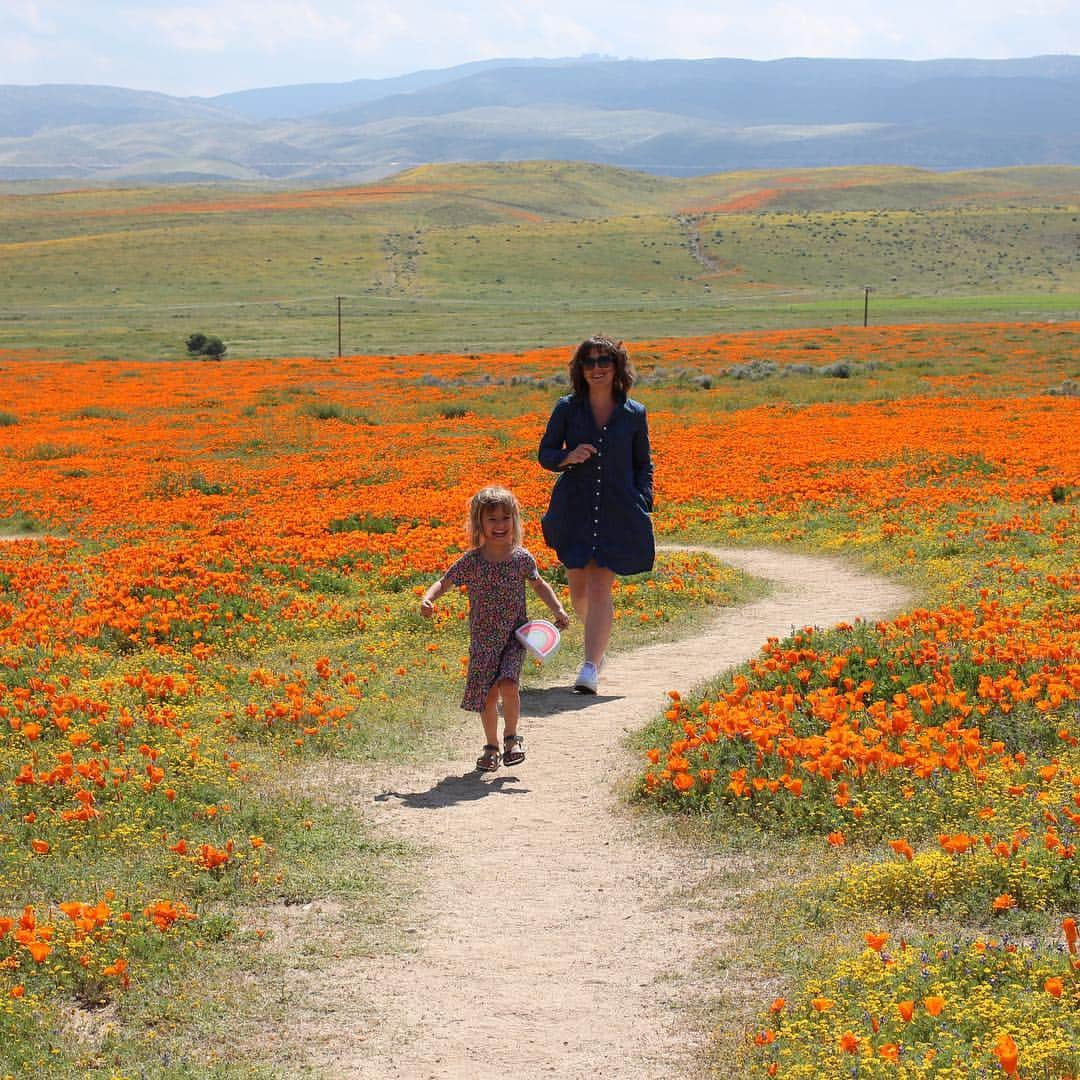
<point>553,932</point>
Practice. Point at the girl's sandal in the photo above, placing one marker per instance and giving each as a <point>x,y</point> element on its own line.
<point>513,750</point>
<point>488,761</point>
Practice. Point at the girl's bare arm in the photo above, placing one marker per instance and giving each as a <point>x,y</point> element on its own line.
<point>547,594</point>
<point>434,591</point>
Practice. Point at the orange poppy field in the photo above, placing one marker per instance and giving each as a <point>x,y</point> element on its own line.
<point>209,576</point>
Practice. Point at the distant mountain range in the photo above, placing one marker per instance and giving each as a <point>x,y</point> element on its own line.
<point>666,116</point>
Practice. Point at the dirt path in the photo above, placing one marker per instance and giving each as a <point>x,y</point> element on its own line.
<point>553,928</point>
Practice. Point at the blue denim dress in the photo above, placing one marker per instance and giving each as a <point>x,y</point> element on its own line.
<point>600,509</point>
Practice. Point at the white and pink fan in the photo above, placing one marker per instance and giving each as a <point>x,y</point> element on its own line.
<point>540,637</point>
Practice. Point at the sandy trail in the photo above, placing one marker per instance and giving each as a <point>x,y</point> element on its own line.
<point>552,925</point>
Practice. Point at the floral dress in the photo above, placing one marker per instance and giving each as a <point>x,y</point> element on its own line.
<point>496,610</point>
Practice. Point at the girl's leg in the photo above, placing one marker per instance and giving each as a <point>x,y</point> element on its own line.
<point>489,716</point>
<point>511,703</point>
<point>599,582</point>
<point>513,744</point>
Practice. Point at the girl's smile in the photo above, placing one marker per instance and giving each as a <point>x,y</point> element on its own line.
<point>497,527</point>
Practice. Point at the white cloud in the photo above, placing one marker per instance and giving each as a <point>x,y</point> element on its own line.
<point>160,44</point>
<point>443,36</point>
<point>273,26</point>
<point>28,15</point>
<point>21,53</point>
<point>802,31</point>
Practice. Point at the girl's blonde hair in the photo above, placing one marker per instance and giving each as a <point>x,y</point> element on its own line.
<point>490,498</point>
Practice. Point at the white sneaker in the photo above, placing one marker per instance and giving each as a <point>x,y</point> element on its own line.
<point>585,683</point>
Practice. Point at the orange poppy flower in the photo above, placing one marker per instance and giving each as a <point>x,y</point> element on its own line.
<point>1071,934</point>
<point>1006,1052</point>
<point>849,1043</point>
<point>39,950</point>
<point>902,847</point>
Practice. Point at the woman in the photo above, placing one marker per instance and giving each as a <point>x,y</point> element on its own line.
<point>598,519</point>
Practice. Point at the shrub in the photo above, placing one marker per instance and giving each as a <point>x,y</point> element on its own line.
<point>332,410</point>
<point>97,412</point>
<point>50,452</point>
<point>215,348</point>
<point>206,345</point>
<point>172,485</point>
<point>839,370</point>
<point>369,523</point>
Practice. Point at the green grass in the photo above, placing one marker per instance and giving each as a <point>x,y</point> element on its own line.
<point>508,256</point>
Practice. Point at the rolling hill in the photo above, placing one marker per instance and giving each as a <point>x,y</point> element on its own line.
<point>476,257</point>
<point>678,117</point>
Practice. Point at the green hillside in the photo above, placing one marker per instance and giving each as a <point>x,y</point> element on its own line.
<point>472,257</point>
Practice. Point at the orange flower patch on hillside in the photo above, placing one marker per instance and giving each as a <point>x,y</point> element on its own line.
<point>743,203</point>
<point>319,198</point>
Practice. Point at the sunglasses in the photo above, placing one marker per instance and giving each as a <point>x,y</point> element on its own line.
<point>596,361</point>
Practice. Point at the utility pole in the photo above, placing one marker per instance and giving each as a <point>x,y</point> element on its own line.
<point>866,305</point>
<point>339,327</point>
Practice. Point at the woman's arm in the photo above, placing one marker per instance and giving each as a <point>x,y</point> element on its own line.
<point>641,453</point>
<point>553,442</point>
<point>555,452</point>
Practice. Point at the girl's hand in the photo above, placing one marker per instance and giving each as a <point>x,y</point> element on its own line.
<point>561,620</point>
<point>581,453</point>
<point>427,608</point>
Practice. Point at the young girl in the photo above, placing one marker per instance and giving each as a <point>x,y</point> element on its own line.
<point>495,572</point>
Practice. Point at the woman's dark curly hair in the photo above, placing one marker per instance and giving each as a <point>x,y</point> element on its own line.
<point>624,375</point>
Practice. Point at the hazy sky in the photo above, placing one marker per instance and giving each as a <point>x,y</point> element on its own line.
<point>205,47</point>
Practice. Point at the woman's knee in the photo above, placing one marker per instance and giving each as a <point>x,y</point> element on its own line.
<point>600,584</point>
<point>579,588</point>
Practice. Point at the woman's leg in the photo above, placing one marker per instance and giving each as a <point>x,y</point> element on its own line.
<point>579,592</point>
<point>599,582</point>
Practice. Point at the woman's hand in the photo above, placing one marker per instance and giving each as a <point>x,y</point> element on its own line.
<point>581,453</point>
